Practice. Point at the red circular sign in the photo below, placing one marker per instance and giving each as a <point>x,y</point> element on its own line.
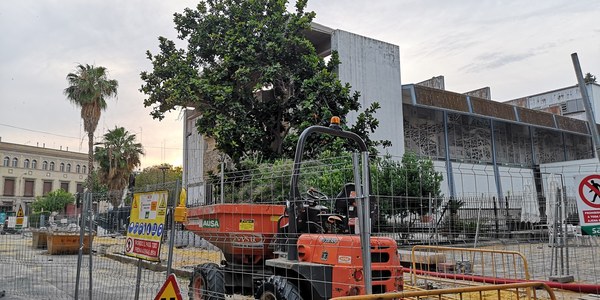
<point>129,245</point>
<point>589,190</point>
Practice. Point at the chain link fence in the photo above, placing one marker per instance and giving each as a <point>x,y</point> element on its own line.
<point>542,226</point>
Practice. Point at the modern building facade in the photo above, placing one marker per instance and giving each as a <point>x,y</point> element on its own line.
<point>482,147</point>
<point>487,147</point>
<point>27,172</point>
<point>565,101</point>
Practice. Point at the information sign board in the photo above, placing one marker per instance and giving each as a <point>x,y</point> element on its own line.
<point>146,225</point>
<point>588,204</point>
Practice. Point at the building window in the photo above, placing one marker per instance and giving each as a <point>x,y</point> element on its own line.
<point>47,188</point>
<point>78,169</point>
<point>80,187</point>
<point>15,162</point>
<point>29,184</point>
<point>34,164</point>
<point>6,161</point>
<point>69,168</point>
<point>26,164</point>
<point>64,186</point>
<point>51,166</point>
<point>9,186</point>
<point>45,165</point>
<point>62,167</point>
<point>84,169</point>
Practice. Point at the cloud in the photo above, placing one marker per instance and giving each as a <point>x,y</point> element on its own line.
<point>490,61</point>
<point>44,40</point>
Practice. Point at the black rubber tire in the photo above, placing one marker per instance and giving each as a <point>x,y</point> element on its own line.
<point>207,283</point>
<point>277,288</point>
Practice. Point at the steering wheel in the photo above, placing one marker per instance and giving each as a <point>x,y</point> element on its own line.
<point>316,194</point>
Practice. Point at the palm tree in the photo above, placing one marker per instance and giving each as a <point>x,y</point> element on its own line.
<point>88,88</point>
<point>117,158</point>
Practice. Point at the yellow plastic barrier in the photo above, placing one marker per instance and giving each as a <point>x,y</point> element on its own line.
<point>513,291</point>
<point>472,261</point>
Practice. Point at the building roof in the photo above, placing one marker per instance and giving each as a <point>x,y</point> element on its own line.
<point>552,91</point>
<point>4,146</point>
<point>445,100</point>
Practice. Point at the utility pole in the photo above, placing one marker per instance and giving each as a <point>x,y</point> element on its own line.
<point>164,169</point>
<point>589,112</point>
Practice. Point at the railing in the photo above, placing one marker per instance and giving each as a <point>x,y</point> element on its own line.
<point>470,261</point>
<point>514,291</point>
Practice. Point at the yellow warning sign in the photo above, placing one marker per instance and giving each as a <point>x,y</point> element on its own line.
<point>146,226</point>
<point>169,290</point>
<point>20,212</point>
<point>163,202</point>
<point>246,225</point>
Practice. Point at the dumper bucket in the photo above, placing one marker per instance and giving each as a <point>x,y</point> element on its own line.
<point>242,231</point>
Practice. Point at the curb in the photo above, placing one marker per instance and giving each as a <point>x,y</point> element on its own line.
<point>153,266</point>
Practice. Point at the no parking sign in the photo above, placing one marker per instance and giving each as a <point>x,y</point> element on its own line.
<point>588,204</point>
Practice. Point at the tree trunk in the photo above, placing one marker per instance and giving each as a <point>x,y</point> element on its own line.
<point>90,160</point>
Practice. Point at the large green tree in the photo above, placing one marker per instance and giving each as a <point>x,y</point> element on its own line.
<point>89,86</point>
<point>253,75</point>
<point>154,175</point>
<point>53,201</point>
<point>118,155</point>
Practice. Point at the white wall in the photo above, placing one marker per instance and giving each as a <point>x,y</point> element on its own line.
<point>594,94</point>
<point>440,166</point>
<point>373,68</point>
<point>553,98</point>
<point>569,172</point>
<point>560,96</point>
<point>472,180</point>
<point>193,166</point>
<point>476,180</point>
<point>515,181</point>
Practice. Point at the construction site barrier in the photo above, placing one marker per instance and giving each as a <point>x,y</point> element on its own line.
<point>574,287</point>
<point>473,261</point>
<point>528,290</point>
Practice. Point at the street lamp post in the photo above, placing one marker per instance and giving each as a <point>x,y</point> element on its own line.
<point>164,169</point>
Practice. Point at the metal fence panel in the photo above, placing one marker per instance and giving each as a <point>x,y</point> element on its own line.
<point>475,219</point>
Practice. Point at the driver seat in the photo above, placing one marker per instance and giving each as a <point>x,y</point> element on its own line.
<point>345,201</point>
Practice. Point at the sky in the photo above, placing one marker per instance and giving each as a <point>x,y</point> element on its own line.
<point>517,48</point>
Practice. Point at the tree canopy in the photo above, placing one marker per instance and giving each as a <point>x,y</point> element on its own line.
<point>589,78</point>
<point>53,201</point>
<point>154,175</point>
<point>402,187</point>
<point>118,155</point>
<point>254,77</point>
<point>88,89</point>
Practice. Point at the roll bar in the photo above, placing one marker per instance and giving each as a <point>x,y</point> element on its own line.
<point>334,129</point>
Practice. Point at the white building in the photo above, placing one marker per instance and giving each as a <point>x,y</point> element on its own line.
<point>565,101</point>
<point>482,147</point>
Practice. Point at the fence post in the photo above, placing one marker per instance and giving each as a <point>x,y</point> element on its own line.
<point>90,215</point>
<point>496,217</point>
<point>508,217</point>
<point>171,209</point>
<point>82,221</point>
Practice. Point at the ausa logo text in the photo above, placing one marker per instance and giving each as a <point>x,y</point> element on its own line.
<point>209,223</point>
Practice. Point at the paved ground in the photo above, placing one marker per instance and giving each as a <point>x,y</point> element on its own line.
<point>28,273</point>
